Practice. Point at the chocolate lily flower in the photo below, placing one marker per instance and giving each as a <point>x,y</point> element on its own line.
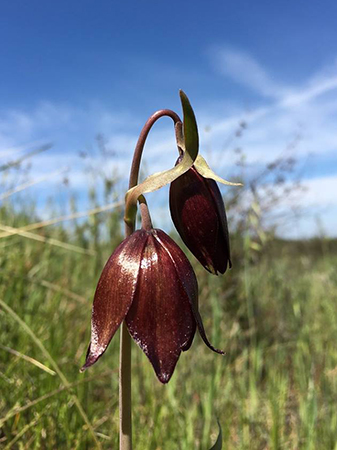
<point>149,282</point>
<point>198,213</point>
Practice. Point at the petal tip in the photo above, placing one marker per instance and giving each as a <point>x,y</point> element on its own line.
<point>221,352</point>
<point>91,358</point>
<point>164,377</point>
<point>216,350</point>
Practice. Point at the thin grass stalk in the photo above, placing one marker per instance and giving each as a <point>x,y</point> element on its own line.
<point>54,365</point>
<point>77,215</point>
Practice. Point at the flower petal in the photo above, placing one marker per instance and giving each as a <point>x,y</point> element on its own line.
<point>190,284</point>
<point>160,319</point>
<point>185,274</point>
<point>201,329</point>
<point>114,294</point>
<point>220,257</point>
<point>198,213</point>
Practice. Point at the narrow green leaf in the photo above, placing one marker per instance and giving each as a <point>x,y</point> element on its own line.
<point>190,126</point>
<point>218,444</point>
<point>203,168</point>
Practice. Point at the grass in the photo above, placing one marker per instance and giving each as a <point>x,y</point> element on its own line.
<point>275,313</point>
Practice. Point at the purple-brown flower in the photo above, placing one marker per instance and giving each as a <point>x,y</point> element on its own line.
<point>149,282</point>
<point>199,215</point>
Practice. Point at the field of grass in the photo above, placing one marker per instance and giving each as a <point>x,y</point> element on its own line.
<point>275,314</point>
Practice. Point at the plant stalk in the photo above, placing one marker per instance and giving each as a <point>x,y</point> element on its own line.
<point>137,156</point>
<point>125,400</point>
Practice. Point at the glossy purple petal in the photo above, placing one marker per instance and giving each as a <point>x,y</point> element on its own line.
<point>199,215</point>
<point>114,293</point>
<point>190,285</point>
<point>160,319</point>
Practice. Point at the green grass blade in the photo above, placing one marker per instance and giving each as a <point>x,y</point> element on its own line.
<point>53,363</point>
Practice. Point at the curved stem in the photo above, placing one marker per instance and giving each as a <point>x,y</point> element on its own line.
<point>137,156</point>
<point>125,401</point>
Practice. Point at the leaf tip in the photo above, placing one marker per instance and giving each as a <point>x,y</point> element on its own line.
<point>218,443</point>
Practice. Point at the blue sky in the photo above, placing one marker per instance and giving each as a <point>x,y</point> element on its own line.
<point>70,70</point>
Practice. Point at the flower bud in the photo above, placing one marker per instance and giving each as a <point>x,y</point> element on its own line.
<point>198,213</point>
<point>149,282</point>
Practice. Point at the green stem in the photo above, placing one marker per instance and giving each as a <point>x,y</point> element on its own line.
<point>125,400</point>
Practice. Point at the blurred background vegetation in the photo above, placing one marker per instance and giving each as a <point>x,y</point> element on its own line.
<point>274,313</point>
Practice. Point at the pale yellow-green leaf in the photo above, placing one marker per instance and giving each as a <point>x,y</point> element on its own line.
<point>155,182</point>
<point>202,167</point>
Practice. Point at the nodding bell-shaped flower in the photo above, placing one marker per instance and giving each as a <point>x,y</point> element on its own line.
<point>149,282</point>
<point>198,213</point>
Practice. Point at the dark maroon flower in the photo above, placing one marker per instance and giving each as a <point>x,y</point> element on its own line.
<point>149,282</point>
<point>199,215</point>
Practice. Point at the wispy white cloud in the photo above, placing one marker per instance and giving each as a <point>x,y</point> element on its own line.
<point>309,93</point>
<point>246,70</point>
<point>54,121</point>
<point>315,213</point>
<point>71,130</point>
<point>305,114</point>
<point>243,68</point>
<point>307,111</point>
<point>318,189</point>
<point>304,110</point>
